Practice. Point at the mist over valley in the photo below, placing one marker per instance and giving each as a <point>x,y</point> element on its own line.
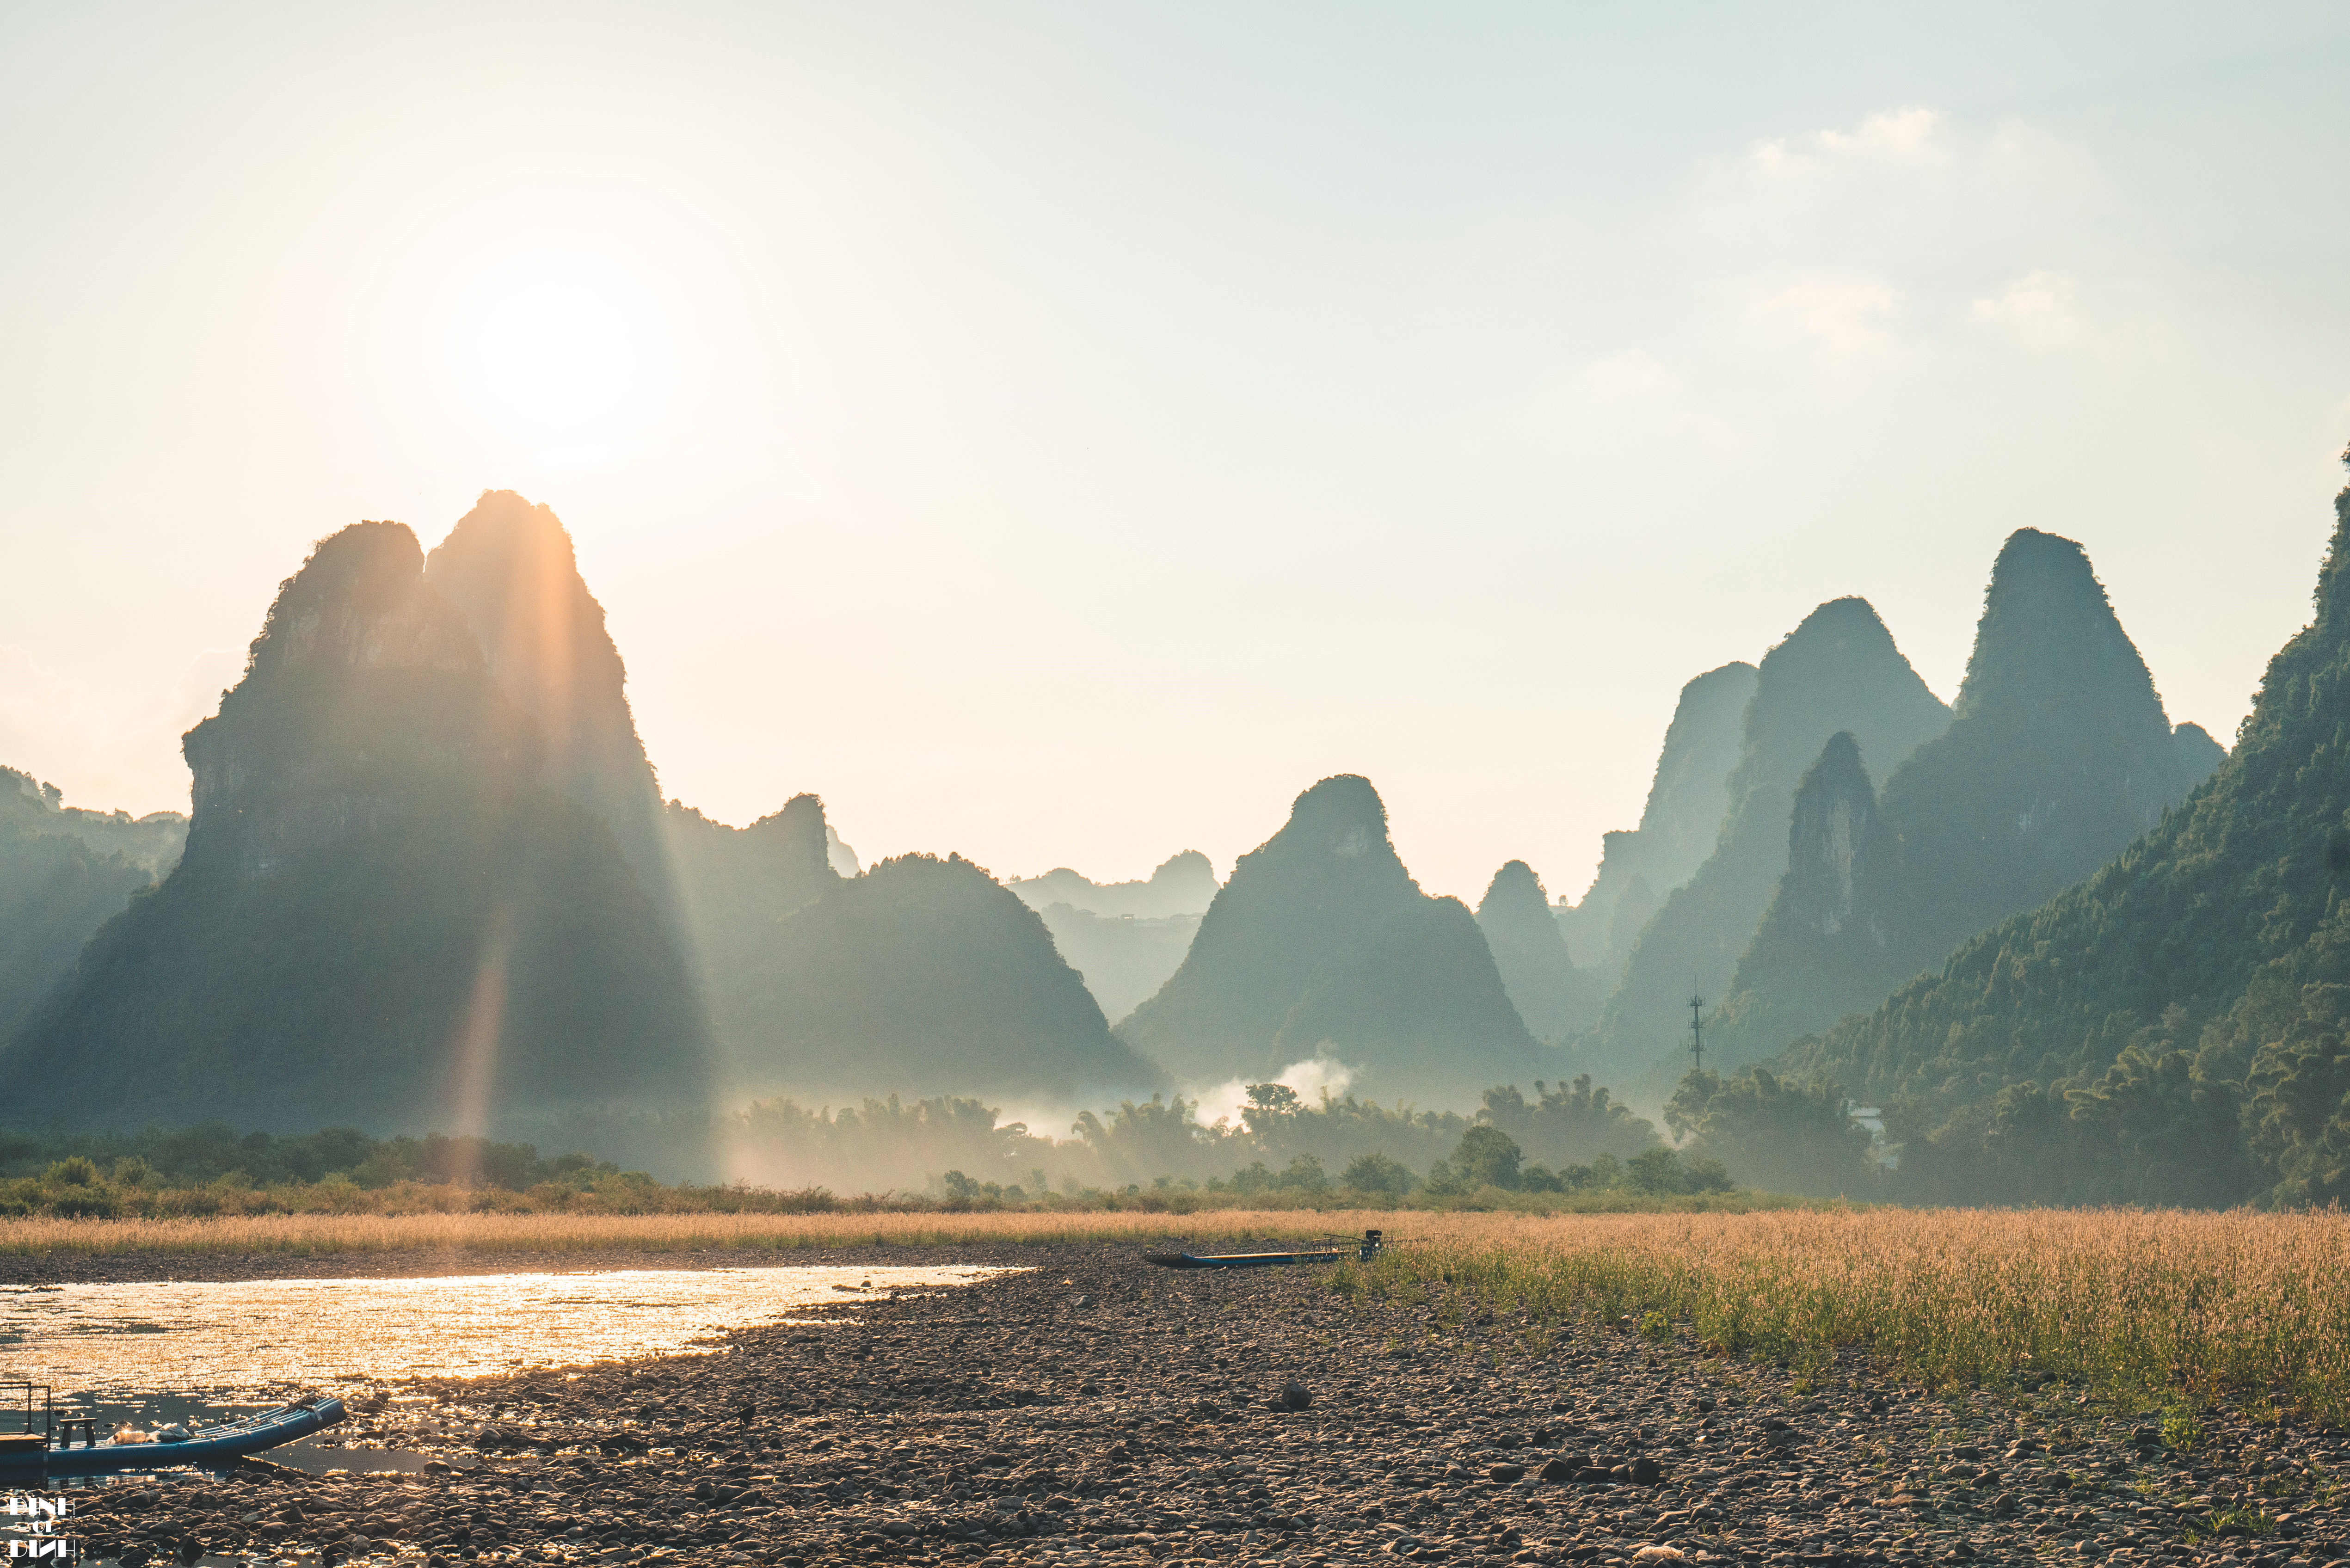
<point>431,885</point>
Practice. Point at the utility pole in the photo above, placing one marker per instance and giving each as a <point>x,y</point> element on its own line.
<point>1697,1028</point>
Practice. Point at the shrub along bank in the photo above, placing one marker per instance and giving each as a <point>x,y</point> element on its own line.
<point>212,1171</point>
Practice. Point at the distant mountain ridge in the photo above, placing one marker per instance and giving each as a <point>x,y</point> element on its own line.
<point>1123,959</point>
<point>64,872</point>
<point>1552,995</point>
<point>1322,944</point>
<point>1184,884</point>
<point>917,975</point>
<point>152,842</point>
<point>1838,671</point>
<point>919,972</point>
<point>1125,937</point>
<point>2171,1029</point>
<point>430,880</point>
<point>1688,798</point>
<point>2058,754</point>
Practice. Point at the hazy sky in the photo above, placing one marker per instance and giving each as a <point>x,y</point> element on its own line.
<point>1061,433</point>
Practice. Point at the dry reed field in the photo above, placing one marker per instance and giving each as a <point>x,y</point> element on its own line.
<point>2165,1305</point>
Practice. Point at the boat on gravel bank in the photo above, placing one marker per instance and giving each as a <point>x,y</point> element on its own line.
<point>1331,1252</point>
<point>68,1445</point>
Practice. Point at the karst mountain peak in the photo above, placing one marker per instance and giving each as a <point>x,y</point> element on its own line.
<point>1554,997</point>
<point>1322,944</point>
<point>430,882</point>
<point>1838,671</point>
<point>2167,1029</point>
<point>1679,822</point>
<point>2057,754</point>
<point>510,568</point>
<point>384,917</point>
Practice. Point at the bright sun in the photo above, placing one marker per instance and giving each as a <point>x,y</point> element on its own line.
<point>559,354</point>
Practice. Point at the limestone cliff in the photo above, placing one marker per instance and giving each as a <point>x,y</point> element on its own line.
<point>509,567</point>
<point>383,916</point>
<point>1837,671</point>
<point>364,695</point>
<point>1552,995</point>
<point>1687,799</point>
<point>1321,943</point>
<point>921,976</point>
<point>738,878</point>
<point>2179,1015</point>
<point>1829,944</point>
<point>2058,754</point>
<point>1415,1006</point>
<point>734,884</point>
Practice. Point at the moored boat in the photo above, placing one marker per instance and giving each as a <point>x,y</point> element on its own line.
<point>70,1444</point>
<point>1361,1251</point>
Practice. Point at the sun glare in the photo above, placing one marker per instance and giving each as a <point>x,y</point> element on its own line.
<point>559,354</point>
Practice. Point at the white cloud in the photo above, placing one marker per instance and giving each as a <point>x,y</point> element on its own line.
<point>1631,401</point>
<point>2036,307</point>
<point>53,727</point>
<point>1830,230</point>
<point>1634,374</point>
<point>1897,133</point>
<point>1840,315</point>
<point>1620,396</point>
<point>1911,135</point>
<point>47,723</point>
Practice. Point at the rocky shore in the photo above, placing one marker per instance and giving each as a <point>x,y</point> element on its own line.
<point>1093,1411</point>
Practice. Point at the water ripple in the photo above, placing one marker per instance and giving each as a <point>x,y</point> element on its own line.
<point>252,1338</point>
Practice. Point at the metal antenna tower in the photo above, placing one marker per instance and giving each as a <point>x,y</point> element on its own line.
<point>1697,1028</point>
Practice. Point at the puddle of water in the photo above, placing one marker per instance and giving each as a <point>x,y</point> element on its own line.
<point>248,1340</point>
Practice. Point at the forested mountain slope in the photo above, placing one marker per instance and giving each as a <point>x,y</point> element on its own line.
<point>2174,1027</point>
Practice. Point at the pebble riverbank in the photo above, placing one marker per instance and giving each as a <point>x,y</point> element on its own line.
<point>1093,1411</point>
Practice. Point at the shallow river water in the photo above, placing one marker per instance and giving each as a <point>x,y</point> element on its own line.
<point>230,1344</point>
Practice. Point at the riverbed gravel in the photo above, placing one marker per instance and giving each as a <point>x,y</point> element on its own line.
<point>1091,1409</point>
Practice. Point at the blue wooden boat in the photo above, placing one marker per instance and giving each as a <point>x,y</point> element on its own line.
<point>1361,1251</point>
<point>69,1446</point>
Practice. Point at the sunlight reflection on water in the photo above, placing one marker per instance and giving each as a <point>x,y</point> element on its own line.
<point>252,1338</point>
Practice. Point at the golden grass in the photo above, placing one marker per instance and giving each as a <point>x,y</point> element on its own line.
<point>2166,1304</point>
<point>492,1234</point>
